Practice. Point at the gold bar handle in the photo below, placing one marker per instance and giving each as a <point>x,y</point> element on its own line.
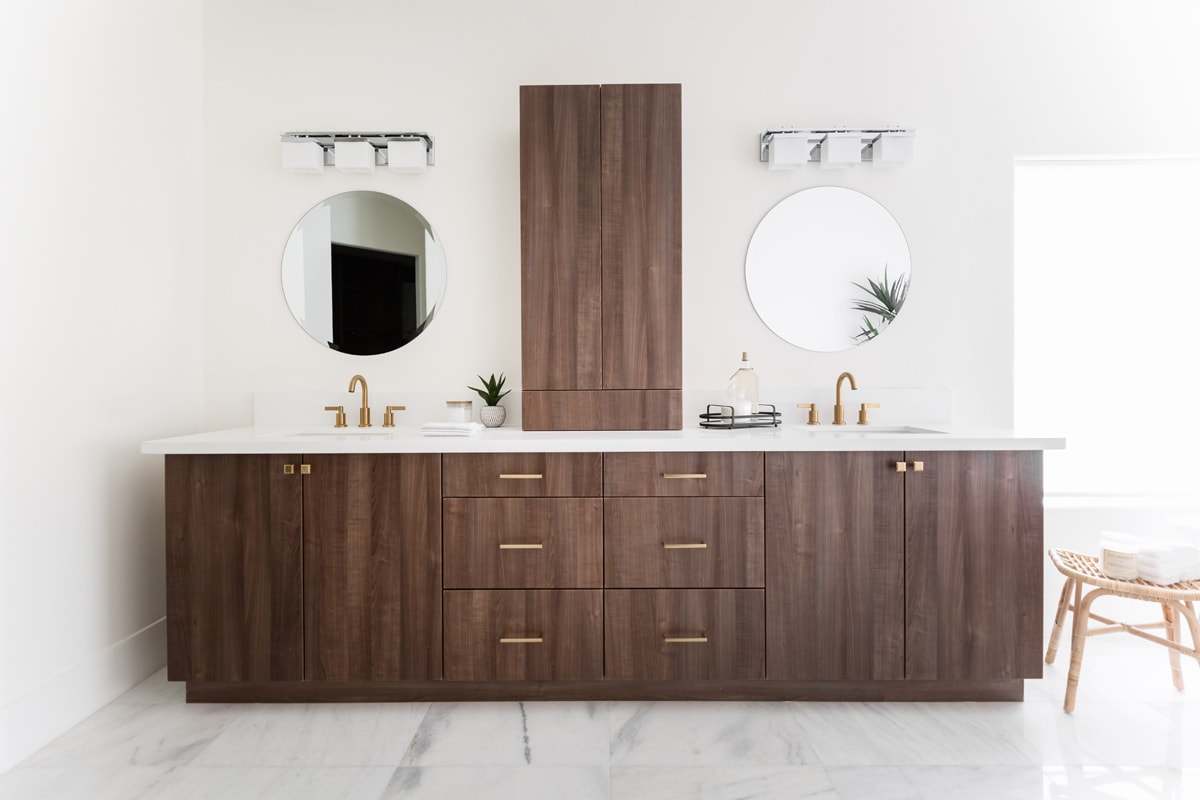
<point>519,476</point>
<point>520,547</point>
<point>521,640</point>
<point>685,639</point>
<point>901,466</point>
<point>675,476</point>
<point>688,546</point>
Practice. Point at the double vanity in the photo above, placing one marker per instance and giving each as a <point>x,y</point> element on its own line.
<point>784,563</point>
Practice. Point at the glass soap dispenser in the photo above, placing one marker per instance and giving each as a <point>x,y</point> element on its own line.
<point>742,392</point>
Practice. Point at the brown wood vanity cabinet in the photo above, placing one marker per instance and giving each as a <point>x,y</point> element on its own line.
<point>933,573</point>
<point>290,567</point>
<point>523,597</point>
<point>601,257</point>
<point>684,570</point>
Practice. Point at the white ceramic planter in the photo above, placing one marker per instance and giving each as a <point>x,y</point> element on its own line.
<point>492,416</point>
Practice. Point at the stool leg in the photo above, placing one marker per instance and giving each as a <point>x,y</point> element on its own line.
<point>1079,634</point>
<point>1174,631</point>
<point>1056,631</point>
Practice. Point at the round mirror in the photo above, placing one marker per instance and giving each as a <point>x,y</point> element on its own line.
<point>828,269</point>
<point>363,273</point>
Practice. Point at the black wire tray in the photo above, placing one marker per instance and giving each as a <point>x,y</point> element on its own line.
<point>723,417</point>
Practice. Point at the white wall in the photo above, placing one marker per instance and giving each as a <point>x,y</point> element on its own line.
<point>101,249</point>
<point>981,83</point>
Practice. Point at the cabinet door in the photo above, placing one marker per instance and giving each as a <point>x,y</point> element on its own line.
<point>560,237</point>
<point>974,553</point>
<point>642,317</point>
<point>835,566</point>
<point>234,582</point>
<point>372,567</point>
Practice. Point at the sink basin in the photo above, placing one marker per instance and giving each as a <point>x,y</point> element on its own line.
<point>345,432</point>
<point>876,430</point>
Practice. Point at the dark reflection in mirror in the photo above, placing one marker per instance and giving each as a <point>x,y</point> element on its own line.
<point>363,273</point>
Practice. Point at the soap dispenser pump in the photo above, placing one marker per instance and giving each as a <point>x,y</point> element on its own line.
<point>742,392</point>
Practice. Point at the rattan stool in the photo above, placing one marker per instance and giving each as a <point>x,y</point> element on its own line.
<point>1176,601</point>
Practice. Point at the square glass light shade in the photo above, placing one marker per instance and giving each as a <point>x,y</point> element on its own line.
<point>788,151</point>
<point>893,149</point>
<point>303,157</point>
<point>406,156</point>
<point>354,156</point>
<point>841,150</point>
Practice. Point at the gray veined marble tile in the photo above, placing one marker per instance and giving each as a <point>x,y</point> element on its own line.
<point>707,734</point>
<point>514,734</point>
<point>499,783</point>
<point>993,783</point>
<point>871,783</point>
<point>156,689</point>
<point>1127,783</point>
<point>318,734</point>
<point>122,734</point>
<point>898,734</point>
<point>272,783</point>
<point>74,783</point>
<point>721,783</point>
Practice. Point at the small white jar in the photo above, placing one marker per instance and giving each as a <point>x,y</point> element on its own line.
<point>458,411</point>
<point>1119,555</point>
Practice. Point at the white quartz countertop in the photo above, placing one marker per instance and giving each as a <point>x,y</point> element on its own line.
<point>788,437</point>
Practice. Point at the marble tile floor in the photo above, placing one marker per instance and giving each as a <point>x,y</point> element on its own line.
<point>1132,736</point>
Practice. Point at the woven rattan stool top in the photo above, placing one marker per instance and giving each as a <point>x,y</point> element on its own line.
<point>1086,568</point>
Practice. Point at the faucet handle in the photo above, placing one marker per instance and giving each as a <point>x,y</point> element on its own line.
<point>812,412</point>
<point>340,419</point>
<point>389,419</point>
<point>863,419</point>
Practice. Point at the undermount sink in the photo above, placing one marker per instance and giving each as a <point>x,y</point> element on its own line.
<point>876,430</point>
<point>346,432</point>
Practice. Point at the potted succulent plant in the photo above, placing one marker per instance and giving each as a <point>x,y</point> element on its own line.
<point>492,414</point>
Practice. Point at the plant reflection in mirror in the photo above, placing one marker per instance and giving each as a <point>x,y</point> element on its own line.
<point>886,299</point>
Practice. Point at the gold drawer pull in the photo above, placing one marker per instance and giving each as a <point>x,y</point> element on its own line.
<point>520,476</point>
<point>685,639</point>
<point>526,640</point>
<point>901,466</point>
<point>306,469</point>
<point>520,547</point>
<point>289,469</point>
<point>689,546</point>
<point>675,476</point>
<point>918,466</point>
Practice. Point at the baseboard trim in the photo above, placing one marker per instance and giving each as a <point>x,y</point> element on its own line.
<point>37,717</point>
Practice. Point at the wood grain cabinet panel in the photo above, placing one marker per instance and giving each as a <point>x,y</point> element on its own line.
<point>835,566</point>
<point>679,542</point>
<point>975,560</point>
<point>234,568</point>
<point>522,474</point>
<point>683,634</point>
<point>601,257</point>
<point>541,543</point>
<point>372,567</point>
<point>524,635</point>
<point>683,474</point>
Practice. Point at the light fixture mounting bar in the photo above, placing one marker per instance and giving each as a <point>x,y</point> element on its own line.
<point>814,137</point>
<point>378,140</point>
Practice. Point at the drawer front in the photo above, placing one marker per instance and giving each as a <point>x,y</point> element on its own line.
<point>554,543</point>
<point>521,474</point>
<point>523,635</point>
<point>683,474</point>
<point>683,634</point>
<point>679,542</point>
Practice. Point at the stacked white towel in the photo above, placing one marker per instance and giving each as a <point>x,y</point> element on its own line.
<point>1168,562</point>
<point>451,429</point>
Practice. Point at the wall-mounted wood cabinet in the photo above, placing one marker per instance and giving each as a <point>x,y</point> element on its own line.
<point>601,257</point>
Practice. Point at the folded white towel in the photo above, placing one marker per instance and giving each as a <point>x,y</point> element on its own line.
<point>1168,562</point>
<point>451,429</point>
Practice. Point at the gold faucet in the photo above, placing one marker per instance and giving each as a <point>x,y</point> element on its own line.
<point>839,410</point>
<point>364,413</point>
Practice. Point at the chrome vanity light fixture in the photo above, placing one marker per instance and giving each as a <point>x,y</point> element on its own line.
<point>356,152</point>
<point>833,148</point>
